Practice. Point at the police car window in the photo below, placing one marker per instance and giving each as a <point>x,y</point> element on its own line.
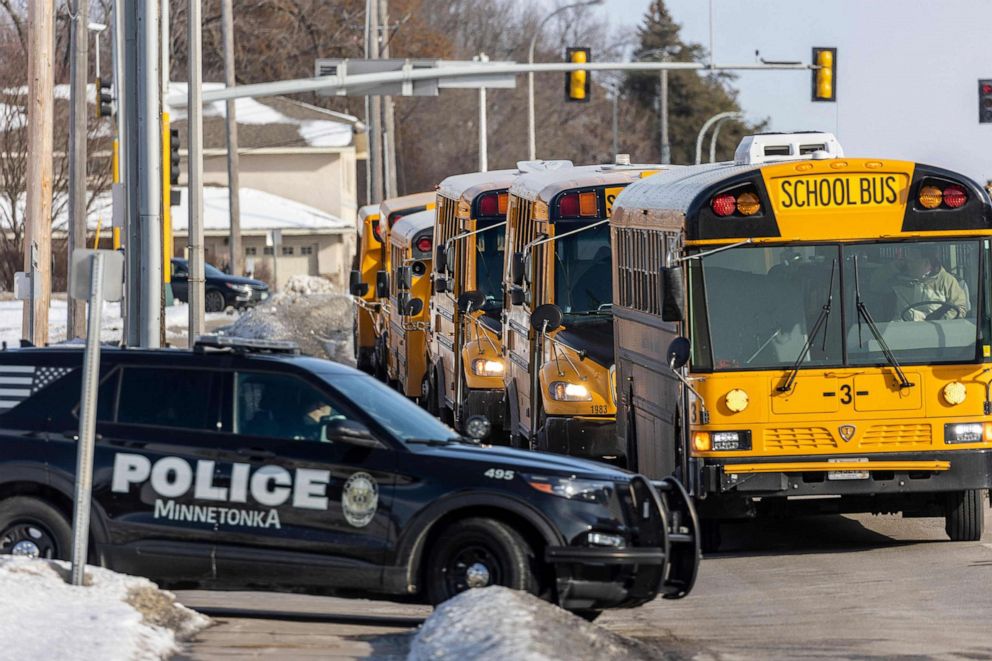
<point>387,407</point>
<point>281,406</point>
<point>168,398</point>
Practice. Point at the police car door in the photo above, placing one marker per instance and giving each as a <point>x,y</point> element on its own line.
<point>315,508</point>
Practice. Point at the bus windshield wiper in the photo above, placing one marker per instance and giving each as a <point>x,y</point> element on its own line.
<point>820,322</point>
<point>863,313</point>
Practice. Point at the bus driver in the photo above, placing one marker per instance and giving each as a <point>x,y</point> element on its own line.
<point>923,290</point>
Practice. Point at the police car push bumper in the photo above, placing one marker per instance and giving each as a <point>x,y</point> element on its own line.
<point>664,559</point>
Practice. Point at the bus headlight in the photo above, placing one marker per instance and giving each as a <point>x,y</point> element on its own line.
<point>721,441</point>
<point>486,367</point>
<point>967,432</point>
<point>562,391</point>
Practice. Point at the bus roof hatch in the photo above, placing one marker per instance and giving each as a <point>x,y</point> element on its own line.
<point>772,147</point>
<point>542,166</point>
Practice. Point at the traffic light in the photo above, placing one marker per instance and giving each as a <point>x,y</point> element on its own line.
<point>174,166</point>
<point>985,101</point>
<point>104,98</point>
<point>577,82</point>
<point>825,74</point>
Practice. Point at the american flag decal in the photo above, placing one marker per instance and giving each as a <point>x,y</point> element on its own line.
<point>18,382</point>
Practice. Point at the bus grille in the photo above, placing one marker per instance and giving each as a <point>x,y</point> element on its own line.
<point>917,435</point>
<point>799,438</point>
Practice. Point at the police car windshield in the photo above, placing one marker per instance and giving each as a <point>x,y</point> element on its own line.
<point>405,420</point>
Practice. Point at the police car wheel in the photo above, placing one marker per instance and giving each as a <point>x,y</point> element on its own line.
<point>476,553</point>
<point>214,301</point>
<point>33,528</point>
<point>587,614</point>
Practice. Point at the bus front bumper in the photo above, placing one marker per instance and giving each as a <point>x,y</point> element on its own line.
<point>490,403</point>
<point>867,475</point>
<point>590,438</point>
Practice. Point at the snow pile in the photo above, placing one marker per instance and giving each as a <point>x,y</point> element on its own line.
<point>499,623</point>
<point>307,311</point>
<point>112,617</point>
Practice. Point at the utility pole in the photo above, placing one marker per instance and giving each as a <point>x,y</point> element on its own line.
<point>38,178</point>
<point>375,105</point>
<point>483,127</point>
<point>194,122</point>
<point>389,120</point>
<point>237,256</point>
<point>78,68</point>
<point>666,147</point>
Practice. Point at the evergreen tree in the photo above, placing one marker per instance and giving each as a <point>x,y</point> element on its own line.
<point>693,97</point>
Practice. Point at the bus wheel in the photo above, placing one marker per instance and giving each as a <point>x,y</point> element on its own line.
<point>709,536</point>
<point>33,528</point>
<point>964,515</point>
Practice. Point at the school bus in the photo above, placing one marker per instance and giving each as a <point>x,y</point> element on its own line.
<point>366,263</point>
<point>371,294</point>
<point>558,324</point>
<point>831,350</point>
<point>411,241</point>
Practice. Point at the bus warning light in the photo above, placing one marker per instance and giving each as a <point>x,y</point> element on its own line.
<point>954,196</point>
<point>748,204</point>
<point>930,197</point>
<point>724,205</point>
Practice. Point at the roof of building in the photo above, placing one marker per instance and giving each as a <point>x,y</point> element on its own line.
<point>260,212</point>
<point>265,123</point>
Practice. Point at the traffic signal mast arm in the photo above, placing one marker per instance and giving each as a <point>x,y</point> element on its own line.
<point>328,83</point>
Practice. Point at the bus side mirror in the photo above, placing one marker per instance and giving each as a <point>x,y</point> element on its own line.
<point>516,295</point>
<point>471,300</point>
<point>517,268</point>
<point>672,293</point>
<point>404,278</point>
<point>678,353</point>
<point>382,284</point>
<point>413,307</point>
<point>440,260</point>
<point>546,318</point>
<point>355,285</point>
<point>440,284</point>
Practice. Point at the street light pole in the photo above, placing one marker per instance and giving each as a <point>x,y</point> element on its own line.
<point>531,141</point>
<point>706,126</point>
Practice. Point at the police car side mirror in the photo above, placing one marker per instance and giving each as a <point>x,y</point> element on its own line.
<point>440,260</point>
<point>672,291</point>
<point>382,284</point>
<point>517,268</point>
<point>340,430</point>
<point>355,285</point>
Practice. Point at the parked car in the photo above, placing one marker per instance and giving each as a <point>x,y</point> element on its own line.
<point>221,290</point>
<point>243,465</point>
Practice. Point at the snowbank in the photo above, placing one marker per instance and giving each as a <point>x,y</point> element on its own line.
<point>112,617</point>
<point>498,623</point>
<point>311,312</point>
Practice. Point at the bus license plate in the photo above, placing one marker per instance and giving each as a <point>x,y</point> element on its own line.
<point>848,475</point>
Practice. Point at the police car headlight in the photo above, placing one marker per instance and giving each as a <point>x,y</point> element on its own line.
<point>243,289</point>
<point>590,491</point>
<point>562,391</point>
<point>486,367</point>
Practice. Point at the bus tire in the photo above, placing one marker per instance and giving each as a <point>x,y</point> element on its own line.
<point>964,515</point>
<point>710,537</point>
<point>33,528</point>
<point>477,552</point>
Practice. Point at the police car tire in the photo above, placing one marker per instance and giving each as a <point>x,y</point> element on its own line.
<point>964,515</point>
<point>587,614</point>
<point>22,509</point>
<point>514,557</point>
<point>214,301</point>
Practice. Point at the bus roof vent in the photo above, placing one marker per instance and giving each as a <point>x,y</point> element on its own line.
<point>542,166</point>
<point>772,147</point>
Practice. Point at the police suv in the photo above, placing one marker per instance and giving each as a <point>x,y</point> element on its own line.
<point>243,465</point>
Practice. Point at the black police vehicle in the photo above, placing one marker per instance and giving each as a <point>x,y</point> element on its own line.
<point>243,465</point>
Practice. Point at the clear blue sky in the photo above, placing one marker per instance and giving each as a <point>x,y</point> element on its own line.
<point>907,70</point>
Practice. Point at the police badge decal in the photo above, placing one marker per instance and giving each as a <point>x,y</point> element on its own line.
<point>360,499</point>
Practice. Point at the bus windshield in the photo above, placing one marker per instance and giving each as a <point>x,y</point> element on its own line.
<point>583,277</point>
<point>489,245</point>
<point>826,305</point>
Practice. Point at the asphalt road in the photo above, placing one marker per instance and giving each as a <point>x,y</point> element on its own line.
<point>829,587</point>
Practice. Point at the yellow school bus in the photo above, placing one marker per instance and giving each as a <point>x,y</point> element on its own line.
<point>465,377</point>
<point>831,352</point>
<point>558,323</point>
<point>367,262</point>
<point>411,241</point>
<point>377,256</point>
